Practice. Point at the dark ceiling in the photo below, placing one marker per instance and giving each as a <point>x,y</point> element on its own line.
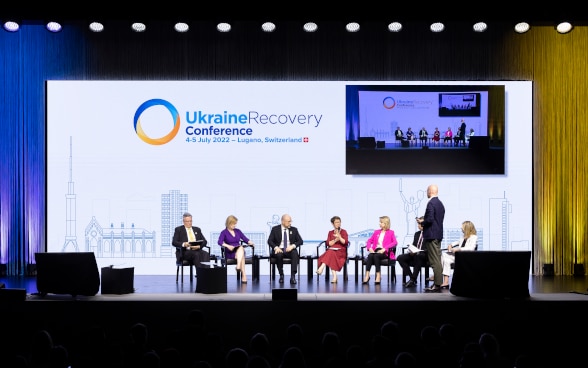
<point>304,10</point>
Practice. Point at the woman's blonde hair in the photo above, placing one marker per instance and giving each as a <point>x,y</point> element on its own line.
<point>386,221</point>
<point>230,220</point>
<point>468,229</point>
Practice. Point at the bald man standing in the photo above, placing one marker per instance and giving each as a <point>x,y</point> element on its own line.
<point>432,223</point>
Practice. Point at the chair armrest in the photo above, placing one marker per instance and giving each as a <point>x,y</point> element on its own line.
<point>245,245</point>
<point>323,243</point>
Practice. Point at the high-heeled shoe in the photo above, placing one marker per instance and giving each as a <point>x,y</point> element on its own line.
<point>243,281</point>
<point>366,281</point>
<point>333,281</point>
<point>319,272</point>
<point>444,286</point>
<point>377,282</point>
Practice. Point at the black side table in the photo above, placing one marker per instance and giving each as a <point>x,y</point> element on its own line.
<point>211,280</point>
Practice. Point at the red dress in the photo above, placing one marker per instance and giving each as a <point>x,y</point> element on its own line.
<point>336,255</point>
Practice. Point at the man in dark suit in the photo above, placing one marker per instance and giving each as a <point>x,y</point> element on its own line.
<point>189,242</point>
<point>284,241</point>
<point>416,260</point>
<point>433,235</point>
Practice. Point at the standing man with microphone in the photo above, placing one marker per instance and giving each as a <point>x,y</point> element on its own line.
<point>284,241</point>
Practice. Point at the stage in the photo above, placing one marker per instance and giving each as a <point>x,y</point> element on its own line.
<point>540,324</point>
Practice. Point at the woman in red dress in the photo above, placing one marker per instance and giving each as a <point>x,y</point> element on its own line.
<point>436,135</point>
<point>335,254</point>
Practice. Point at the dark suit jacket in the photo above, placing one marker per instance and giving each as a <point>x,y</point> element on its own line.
<point>275,237</point>
<point>180,237</point>
<point>433,220</point>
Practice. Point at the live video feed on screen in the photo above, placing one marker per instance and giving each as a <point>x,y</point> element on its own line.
<point>417,129</point>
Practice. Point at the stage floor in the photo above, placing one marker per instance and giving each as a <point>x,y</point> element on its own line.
<point>158,287</point>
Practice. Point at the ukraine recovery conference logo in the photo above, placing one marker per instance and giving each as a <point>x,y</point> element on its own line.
<point>389,103</point>
<point>175,119</point>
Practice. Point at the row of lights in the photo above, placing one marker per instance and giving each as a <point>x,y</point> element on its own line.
<point>522,27</point>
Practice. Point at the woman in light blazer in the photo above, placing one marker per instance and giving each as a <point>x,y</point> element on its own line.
<point>379,246</point>
<point>467,242</point>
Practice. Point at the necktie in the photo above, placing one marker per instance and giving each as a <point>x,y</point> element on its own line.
<point>191,235</point>
<point>420,242</point>
<point>285,239</point>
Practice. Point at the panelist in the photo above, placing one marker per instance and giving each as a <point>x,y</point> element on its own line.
<point>284,241</point>
<point>189,242</point>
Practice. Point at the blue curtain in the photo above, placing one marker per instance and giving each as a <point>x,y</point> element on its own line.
<point>28,58</point>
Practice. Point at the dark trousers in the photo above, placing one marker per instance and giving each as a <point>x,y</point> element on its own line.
<point>414,260</point>
<point>194,257</point>
<point>293,256</point>
<point>433,247</point>
<point>374,259</point>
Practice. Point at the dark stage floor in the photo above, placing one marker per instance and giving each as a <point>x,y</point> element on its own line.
<point>166,285</point>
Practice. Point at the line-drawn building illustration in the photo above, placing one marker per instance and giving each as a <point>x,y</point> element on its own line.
<point>173,206</point>
<point>70,210</point>
<point>119,242</point>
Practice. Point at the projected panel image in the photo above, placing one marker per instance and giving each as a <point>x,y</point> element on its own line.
<point>425,129</point>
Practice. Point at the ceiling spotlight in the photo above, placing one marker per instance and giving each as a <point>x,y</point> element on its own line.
<point>522,27</point>
<point>181,27</point>
<point>564,27</point>
<point>437,27</point>
<point>352,27</point>
<point>96,27</point>
<point>138,27</point>
<point>223,27</point>
<point>394,27</point>
<point>268,27</point>
<point>480,27</point>
<point>310,27</point>
<point>11,26</point>
<point>53,27</point>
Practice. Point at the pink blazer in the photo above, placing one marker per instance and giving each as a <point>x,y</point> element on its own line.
<point>388,242</point>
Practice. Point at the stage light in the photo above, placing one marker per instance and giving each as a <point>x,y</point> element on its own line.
<point>53,27</point>
<point>181,27</point>
<point>223,27</point>
<point>395,27</point>
<point>564,27</point>
<point>268,27</point>
<point>437,27</point>
<point>480,27</point>
<point>352,27</point>
<point>11,26</point>
<point>522,27</point>
<point>96,27</point>
<point>138,27</point>
<point>310,27</point>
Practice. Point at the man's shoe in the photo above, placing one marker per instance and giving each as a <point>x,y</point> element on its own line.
<point>281,280</point>
<point>293,280</point>
<point>433,289</point>
<point>410,283</point>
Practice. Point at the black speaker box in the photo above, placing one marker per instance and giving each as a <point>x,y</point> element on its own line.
<point>12,295</point>
<point>284,294</point>
<point>74,273</point>
<point>367,142</point>
<point>476,274</point>
<point>117,280</point>
<point>380,144</point>
<point>479,142</point>
<point>405,143</point>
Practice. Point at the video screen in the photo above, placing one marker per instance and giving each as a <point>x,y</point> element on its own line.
<point>425,129</point>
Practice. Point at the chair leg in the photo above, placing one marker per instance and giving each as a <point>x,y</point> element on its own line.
<point>177,273</point>
<point>191,274</point>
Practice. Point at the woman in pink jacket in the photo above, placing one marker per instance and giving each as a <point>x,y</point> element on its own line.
<point>380,245</point>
